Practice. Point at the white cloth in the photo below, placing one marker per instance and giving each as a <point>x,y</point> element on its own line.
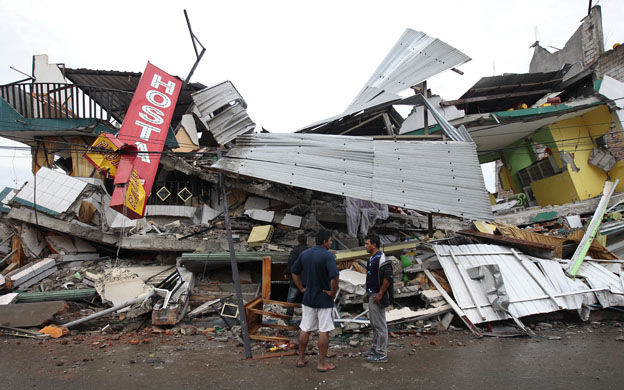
<point>316,319</point>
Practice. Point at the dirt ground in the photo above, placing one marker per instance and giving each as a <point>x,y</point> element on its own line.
<point>570,356</point>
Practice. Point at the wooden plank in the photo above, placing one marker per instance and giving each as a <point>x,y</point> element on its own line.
<point>270,314</point>
<point>266,277</point>
<point>273,355</point>
<point>361,254</point>
<point>282,327</point>
<point>254,320</point>
<point>286,304</point>
<point>18,257</point>
<point>494,97</point>
<point>268,338</point>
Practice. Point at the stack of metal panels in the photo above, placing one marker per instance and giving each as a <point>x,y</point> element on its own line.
<point>223,110</point>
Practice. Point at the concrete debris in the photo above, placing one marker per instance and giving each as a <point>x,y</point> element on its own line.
<point>28,275</point>
<point>120,286</point>
<point>26,315</point>
<point>453,260</point>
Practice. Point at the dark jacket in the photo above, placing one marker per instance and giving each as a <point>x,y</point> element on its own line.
<point>385,272</point>
<point>292,258</point>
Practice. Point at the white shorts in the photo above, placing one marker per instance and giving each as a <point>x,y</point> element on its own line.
<point>316,319</point>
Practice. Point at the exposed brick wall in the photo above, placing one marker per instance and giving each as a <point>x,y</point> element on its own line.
<point>611,64</point>
<point>592,41</point>
<point>615,142</point>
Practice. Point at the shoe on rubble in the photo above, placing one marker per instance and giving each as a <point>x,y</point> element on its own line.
<point>369,353</point>
<point>377,358</point>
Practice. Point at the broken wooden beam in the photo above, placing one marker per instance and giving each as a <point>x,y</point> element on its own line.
<point>530,247</point>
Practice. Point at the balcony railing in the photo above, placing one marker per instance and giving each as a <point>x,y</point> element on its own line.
<point>60,101</point>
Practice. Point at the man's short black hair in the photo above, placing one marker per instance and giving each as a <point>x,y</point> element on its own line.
<point>322,236</point>
<point>302,239</point>
<point>374,239</point>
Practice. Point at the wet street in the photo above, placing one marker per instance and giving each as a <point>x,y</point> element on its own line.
<point>568,356</point>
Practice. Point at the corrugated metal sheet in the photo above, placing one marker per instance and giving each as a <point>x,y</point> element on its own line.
<point>413,59</point>
<point>526,296</point>
<point>441,177</point>
<point>598,276</point>
<point>222,109</point>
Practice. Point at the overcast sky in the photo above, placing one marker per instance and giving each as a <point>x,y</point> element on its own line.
<point>293,62</point>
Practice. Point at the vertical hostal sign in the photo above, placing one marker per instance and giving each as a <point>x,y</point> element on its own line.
<point>143,134</point>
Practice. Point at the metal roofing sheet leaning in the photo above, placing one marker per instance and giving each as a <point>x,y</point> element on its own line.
<point>441,177</point>
<point>525,294</point>
<point>222,109</point>
<point>413,59</point>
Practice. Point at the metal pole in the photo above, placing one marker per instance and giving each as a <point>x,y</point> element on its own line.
<point>110,310</point>
<point>239,292</point>
<point>425,111</point>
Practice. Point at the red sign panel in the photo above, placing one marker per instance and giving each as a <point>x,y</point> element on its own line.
<point>144,129</point>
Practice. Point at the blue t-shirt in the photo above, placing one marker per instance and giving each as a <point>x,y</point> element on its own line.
<point>316,267</point>
<point>372,273</point>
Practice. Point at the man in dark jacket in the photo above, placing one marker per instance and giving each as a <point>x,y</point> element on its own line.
<point>294,295</point>
<point>378,281</point>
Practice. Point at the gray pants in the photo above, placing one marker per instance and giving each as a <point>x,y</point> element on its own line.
<point>377,315</point>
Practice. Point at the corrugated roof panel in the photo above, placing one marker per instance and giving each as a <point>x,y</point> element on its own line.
<point>599,277</point>
<point>525,295</point>
<point>413,59</point>
<point>210,99</point>
<point>222,109</point>
<point>441,177</point>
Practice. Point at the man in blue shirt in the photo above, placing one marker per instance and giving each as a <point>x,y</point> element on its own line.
<point>316,269</point>
<point>378,281</point>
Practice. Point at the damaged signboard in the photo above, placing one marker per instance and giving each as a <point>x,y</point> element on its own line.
<point>143,134</point>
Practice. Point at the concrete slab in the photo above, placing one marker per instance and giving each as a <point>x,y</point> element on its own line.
<point>253,202</point>
<point>31,273</point>
<point>261,215</point>
<point>25,315</point>
<point>291,220</point>
<point>32,240</point>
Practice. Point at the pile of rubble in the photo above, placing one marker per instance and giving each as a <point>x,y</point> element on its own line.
<point>496,272</point>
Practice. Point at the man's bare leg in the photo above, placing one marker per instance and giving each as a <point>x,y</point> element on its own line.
<point>323,346</point>
<point>304,337</point>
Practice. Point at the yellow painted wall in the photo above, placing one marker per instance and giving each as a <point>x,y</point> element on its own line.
<point>555,190</point>
<point>80,166</point>
<point>43,155</point>
<point>575,136</point>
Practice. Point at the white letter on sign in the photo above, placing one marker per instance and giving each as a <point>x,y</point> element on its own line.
<point>166,102</point>
<point>146,130</point>
<point>157,80</point>
<point>143,156</point>
<point>152,115</point>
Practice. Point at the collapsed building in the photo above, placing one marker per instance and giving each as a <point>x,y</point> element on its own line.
<point>416,181</point>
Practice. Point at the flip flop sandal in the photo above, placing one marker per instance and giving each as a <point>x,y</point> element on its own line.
<point>330,368</point>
